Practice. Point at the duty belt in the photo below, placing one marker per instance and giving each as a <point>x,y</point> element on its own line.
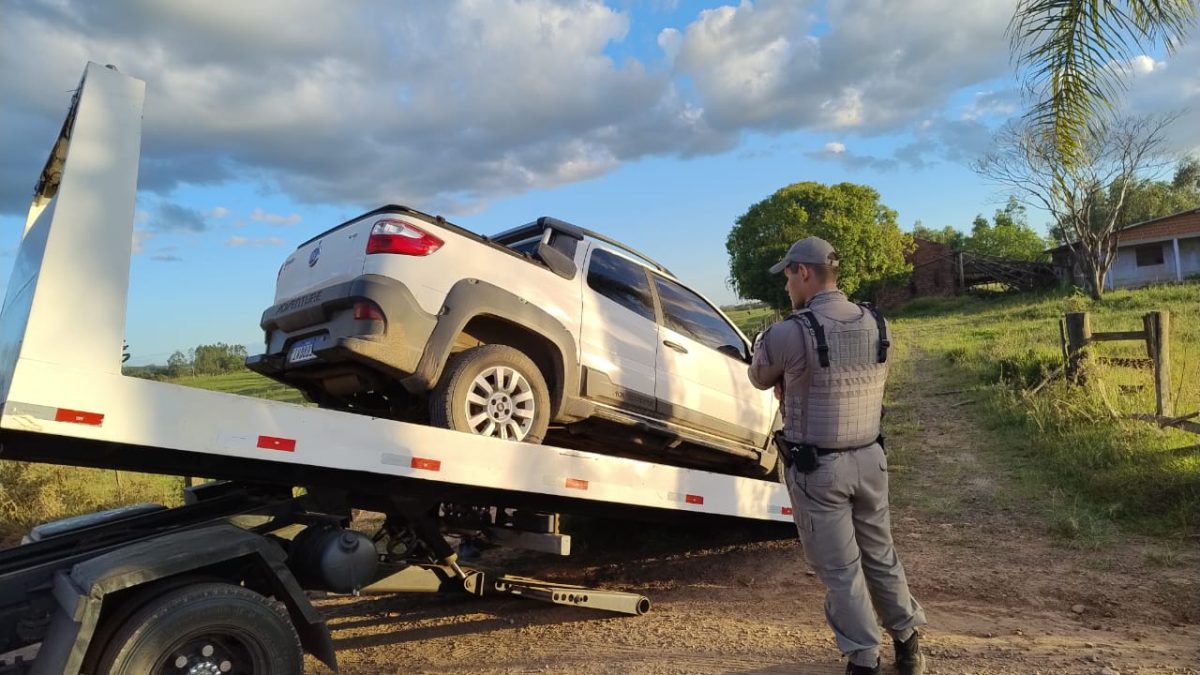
<point>804,456</point>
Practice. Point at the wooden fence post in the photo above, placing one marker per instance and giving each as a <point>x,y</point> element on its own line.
<point>1079,334</point>
<point>1158,343</point>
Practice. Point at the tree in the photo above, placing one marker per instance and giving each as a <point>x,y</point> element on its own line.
<point>1086,197</point>
<point>178,364</point>
<point>947,235</point>
<point>1007,236</point>
<point>1069,47</point>
<point>219,358</point>
<point>1147,199</point>
<point>864,232</point>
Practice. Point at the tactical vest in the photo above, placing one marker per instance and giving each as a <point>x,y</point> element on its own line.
<point>841,397</point>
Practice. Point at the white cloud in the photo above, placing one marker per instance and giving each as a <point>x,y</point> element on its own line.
<point>140,238</point>
<point>670,41</point>
<point>236,241</point>
<point>993,104</point>
<point>880,65</point>
<point>445,105</point>
<point>274,218</point>
<point>835,148</point>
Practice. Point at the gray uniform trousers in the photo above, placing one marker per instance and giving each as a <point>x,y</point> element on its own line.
<point>841,512</point>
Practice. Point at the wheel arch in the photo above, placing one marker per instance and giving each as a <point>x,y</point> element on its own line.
<point>492,315</point>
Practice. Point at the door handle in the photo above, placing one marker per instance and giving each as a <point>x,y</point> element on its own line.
<point>676,346</point>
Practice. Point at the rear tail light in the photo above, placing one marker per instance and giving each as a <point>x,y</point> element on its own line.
<point>397,236</point>
<point>365,310</point>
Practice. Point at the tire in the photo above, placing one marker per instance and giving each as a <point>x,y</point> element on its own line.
<point>478,394</point>
<point>210,625</point>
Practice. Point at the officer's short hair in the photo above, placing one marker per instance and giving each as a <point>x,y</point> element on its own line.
<point>823,273</point>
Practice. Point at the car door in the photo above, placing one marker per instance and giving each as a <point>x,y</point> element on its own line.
<point>701,379</point>
<point>618,333</point>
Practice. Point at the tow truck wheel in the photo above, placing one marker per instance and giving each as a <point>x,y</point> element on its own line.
<point>205,629</point>
<point>493,390</point>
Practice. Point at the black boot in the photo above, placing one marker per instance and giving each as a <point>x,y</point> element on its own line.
<point>909,659</point>
<point>852,669</point>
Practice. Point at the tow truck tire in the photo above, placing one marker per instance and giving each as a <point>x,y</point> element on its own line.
<point>207,627</point>
<point>492,390</point>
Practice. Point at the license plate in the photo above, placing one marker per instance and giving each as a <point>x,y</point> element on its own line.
<point>303,350</point>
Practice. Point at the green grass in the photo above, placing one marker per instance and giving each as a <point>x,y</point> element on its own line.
<point>244,383</point>
<point>751,320</point>
<point>1092,469</point>
<point>36,493</point>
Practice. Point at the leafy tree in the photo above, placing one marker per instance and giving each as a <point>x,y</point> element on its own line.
<point>1007,236</point>
<point>1069,47</point>
<point>178,364</point>
<point>219,358</point>
<point>864,232</point>
<point>1147,199</point>
<point>947,235</point>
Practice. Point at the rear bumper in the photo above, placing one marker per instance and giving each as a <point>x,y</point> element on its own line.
<point>391,348</point>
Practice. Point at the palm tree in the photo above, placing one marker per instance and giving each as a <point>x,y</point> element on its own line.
<point>1075,53</point>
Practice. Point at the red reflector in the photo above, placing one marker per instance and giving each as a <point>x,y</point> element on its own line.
<point>787,510</point>
<point>78,417</point>
<point>577,484</point>
<point>367,310</point>
<point>397,236</point>
<point>694,499</point>
<point>427,464</point>
<point>274,443</point>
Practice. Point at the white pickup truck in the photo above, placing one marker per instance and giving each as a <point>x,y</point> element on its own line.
<point>545,328</point>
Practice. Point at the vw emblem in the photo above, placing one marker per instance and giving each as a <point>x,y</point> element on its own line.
<point>315,256</point>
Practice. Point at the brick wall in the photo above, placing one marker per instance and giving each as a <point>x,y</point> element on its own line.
<point>1178,225</point>
<point>935,272</point>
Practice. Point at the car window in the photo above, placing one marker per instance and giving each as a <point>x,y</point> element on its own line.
<point>687,313</point>
<point>527,246</point>
<point>621,281</point>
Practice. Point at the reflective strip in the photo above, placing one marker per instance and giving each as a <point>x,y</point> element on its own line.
<point>276,443</point>
<point>693,499</point>
<point>78,417</point>
<point>426,464</point>
<point>785,510</point>
<point>577,484</point>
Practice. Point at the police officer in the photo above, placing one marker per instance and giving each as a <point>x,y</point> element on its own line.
<point>828,364</point>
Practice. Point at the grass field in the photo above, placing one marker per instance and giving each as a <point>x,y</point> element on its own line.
<point>1075,446</point>
<point>244,383</point>
<point>35,493</point>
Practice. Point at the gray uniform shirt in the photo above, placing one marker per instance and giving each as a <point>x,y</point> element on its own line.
<point>780,355</point>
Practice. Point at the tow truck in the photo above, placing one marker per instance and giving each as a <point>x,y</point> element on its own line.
<point>219,584</point>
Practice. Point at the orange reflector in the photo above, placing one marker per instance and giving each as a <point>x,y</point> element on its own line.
<point>577,484</point>
<point>427,464</point>
<point>694,499</point>
<point>275,443</point>
<point>78,417</point>
<point>787,510</point>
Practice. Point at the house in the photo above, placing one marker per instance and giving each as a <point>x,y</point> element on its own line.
<point>1154,251</point>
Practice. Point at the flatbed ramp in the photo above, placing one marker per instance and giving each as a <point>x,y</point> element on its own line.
<point>71,592</point>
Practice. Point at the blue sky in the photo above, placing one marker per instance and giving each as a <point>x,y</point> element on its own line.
<point>655,122</point>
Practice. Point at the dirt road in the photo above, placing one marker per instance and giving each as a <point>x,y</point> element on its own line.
<point>1003,594</point>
